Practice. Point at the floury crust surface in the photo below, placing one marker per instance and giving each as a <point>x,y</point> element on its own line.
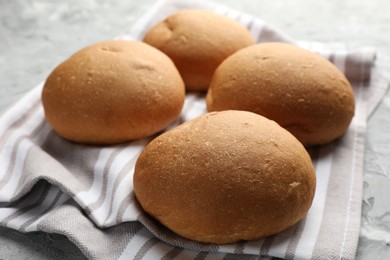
<point>224,177</point>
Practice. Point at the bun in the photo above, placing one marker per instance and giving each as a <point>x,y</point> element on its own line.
<point>224,177</point>
<point>112,92</point>
<point>198,41</point>
<point>300,90</point>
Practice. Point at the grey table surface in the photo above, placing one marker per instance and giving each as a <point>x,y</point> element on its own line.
<point>35,35</point>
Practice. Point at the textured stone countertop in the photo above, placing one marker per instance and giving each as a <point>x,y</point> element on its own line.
<point>35,35</point>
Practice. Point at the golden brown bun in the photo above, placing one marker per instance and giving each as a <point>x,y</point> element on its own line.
<point>112,92</point>
<point>303,92</point>
<point>224,177</point>
<point>198,41</point>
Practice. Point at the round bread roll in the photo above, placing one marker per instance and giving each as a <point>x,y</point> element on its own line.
<point>112,92</point>
<point>300,90</point>
<point>198,41</point>
<point>224,177</point>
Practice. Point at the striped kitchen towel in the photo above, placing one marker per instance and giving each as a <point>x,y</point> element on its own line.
<point>85,192</point>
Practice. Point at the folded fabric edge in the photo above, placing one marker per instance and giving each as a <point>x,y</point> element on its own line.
<point>380,81</point>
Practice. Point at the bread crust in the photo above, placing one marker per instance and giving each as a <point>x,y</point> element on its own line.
<point>224,177</point>
<point>198,41</point>
<point>302,91</point>
<point>111,92</point>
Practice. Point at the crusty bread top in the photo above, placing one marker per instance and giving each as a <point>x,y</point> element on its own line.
<point>224,177</point>
<point>113,91</point>
<point>300,90</point>
<point>198,41</point>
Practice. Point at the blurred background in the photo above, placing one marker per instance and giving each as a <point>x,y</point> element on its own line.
<point>36,35</point>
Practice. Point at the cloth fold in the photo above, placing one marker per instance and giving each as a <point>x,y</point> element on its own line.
<point>85,192</point>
